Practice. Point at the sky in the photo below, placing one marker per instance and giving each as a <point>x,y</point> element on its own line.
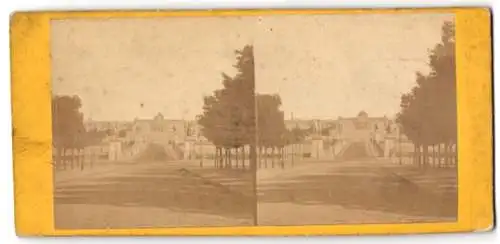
<point>322,66</point>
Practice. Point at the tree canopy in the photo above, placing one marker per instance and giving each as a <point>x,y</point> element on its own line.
<point>228,118</point>
<point>67,122</point>
<point>428,113</point>
<point>271,123</point>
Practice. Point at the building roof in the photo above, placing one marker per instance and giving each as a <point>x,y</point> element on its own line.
<point>163,120</point>
<point>368,118</point>
<point>362,114</point>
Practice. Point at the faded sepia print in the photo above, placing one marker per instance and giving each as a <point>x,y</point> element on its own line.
<point>254,120</point>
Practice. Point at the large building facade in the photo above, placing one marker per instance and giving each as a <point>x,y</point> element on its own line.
<point>361,127</point>
<point>158,130</point>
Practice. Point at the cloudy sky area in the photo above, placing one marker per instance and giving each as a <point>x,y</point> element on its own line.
<point>322,66</point>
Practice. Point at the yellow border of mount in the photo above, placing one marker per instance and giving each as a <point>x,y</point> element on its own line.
<point>31,97</point>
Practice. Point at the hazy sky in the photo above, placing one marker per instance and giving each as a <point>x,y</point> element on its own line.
<point>322,66</point>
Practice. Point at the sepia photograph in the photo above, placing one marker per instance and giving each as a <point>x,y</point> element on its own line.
<point>272,120</point>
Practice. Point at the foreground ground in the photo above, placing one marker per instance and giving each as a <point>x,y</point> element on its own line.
<point>356,188</point>
<point>155,194</point>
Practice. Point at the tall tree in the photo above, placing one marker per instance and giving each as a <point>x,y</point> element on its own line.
<point>271,125</point>
<point>228,118</point>
<point>68,131</point>
<point>428,113</point>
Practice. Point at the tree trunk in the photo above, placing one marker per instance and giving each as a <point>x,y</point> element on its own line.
<point>446,155</point>
<point>91,158</point>
<point>277,155</point>
<point>283,157</point>
<point>236,157</point>
<point>426,155</point>
<point>77,158</point>
<point>71,158</point>
<point>259,158</point>
<point>431,156</point>
<point>58,158</point>
<point>63,157</point>
<point>243,157</point>
<point>448,148</point>
<point>455,155</point>
<point>300,151</point>
<point>421,155</point>
<point>68,157</point>
<point>439,155</point>
<point>228,159</point>
<point>253,169</point>
<point>216,157</point>
<point>434,155</point>
<point>272,157</point>
<point>438,162</point>
<point>415,154</point>
<point>265,157</point>
<point>452,155</point>
<point>220,158</point>
<point>80,159</point>
<point>224,158</point>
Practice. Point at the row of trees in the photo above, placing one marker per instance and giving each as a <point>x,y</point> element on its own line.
<point>272,133</point>
<point>69,136</point>
<point>428,115</point>
<point>68,130</point>
<point>235,117</point>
